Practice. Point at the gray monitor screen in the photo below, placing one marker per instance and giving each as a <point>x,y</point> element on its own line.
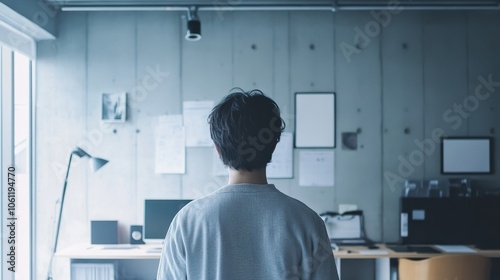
<point>158,214</point>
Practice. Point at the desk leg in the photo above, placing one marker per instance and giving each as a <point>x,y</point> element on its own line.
<point>337,264</point>
<point>382,268</point>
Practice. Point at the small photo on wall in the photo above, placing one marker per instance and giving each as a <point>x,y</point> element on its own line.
<point>114,107</point>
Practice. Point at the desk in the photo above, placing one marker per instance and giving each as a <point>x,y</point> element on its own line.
<point>111,252</point>
<point>130,259</point>
<point>382,255</point>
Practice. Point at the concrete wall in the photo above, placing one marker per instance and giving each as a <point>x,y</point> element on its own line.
<point>393,84</point>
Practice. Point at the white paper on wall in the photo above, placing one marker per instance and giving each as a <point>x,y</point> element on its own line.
<point>195,114</point>
<point>170,144</point>
<point>316,168</point>
<point>172,120</point>
<point>281,165</point>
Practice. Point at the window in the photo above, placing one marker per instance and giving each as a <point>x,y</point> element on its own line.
<point>16,143</point>
<point>22,158</point>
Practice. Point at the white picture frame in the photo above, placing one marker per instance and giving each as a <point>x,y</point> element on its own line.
<point>315,120</point>
<point>114,107</point>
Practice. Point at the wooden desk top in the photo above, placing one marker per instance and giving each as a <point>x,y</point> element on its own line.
<point>362,252</point>
<point>129,251</point>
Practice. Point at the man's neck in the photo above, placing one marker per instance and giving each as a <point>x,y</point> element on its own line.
<point>257,177</point>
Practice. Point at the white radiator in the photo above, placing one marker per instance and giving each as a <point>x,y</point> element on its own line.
<point>92,271</point>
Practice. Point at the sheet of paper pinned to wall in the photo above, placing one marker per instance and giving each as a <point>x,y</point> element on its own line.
<point>316,168</point>
<point>195,114</point>
<point>281,166</point>
<point>172,120</point>
<point>170,145</point>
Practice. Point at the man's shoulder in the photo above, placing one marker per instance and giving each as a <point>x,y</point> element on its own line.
<point>197,206</point>
<point>215,200</point>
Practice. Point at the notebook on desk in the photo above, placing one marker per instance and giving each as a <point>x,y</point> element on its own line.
<point>352,242</point>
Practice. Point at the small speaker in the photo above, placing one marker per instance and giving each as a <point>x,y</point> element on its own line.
<point>104,232</point>
<point>136,235</point>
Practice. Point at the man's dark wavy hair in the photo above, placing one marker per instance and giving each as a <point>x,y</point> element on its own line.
<point>245,127</point>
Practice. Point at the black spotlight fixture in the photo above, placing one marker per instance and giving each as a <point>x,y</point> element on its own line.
<point>193,25</point>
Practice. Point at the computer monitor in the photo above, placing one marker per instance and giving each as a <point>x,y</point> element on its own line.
<point>466,155</point>
<point>158,214</point>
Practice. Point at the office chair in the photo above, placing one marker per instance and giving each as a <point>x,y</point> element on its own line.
<point>446,267</point>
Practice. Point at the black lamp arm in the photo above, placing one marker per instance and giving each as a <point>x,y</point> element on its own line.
<point>80,153</point>
<point>49,274</point>
<point>97,163</point>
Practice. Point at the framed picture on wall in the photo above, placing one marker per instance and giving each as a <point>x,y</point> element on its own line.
<point>315,120</point>
<point>114,107</point>
<point>467,155</point>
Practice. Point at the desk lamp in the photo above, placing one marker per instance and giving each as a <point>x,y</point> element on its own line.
<point>95,164</point>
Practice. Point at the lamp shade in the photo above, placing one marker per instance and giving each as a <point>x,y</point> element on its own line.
<point>97,163</point>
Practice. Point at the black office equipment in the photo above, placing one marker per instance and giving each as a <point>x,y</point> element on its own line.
<point>136,234</point>
<point>451,221</point>
<point>158,214</point>
<point>487,213</point>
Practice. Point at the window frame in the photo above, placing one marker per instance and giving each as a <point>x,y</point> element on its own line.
<point>8,158</point>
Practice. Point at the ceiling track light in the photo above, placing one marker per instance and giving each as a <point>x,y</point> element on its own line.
<point>193,25</point>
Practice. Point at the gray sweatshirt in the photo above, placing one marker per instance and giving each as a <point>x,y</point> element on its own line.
<point>243,232</point>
